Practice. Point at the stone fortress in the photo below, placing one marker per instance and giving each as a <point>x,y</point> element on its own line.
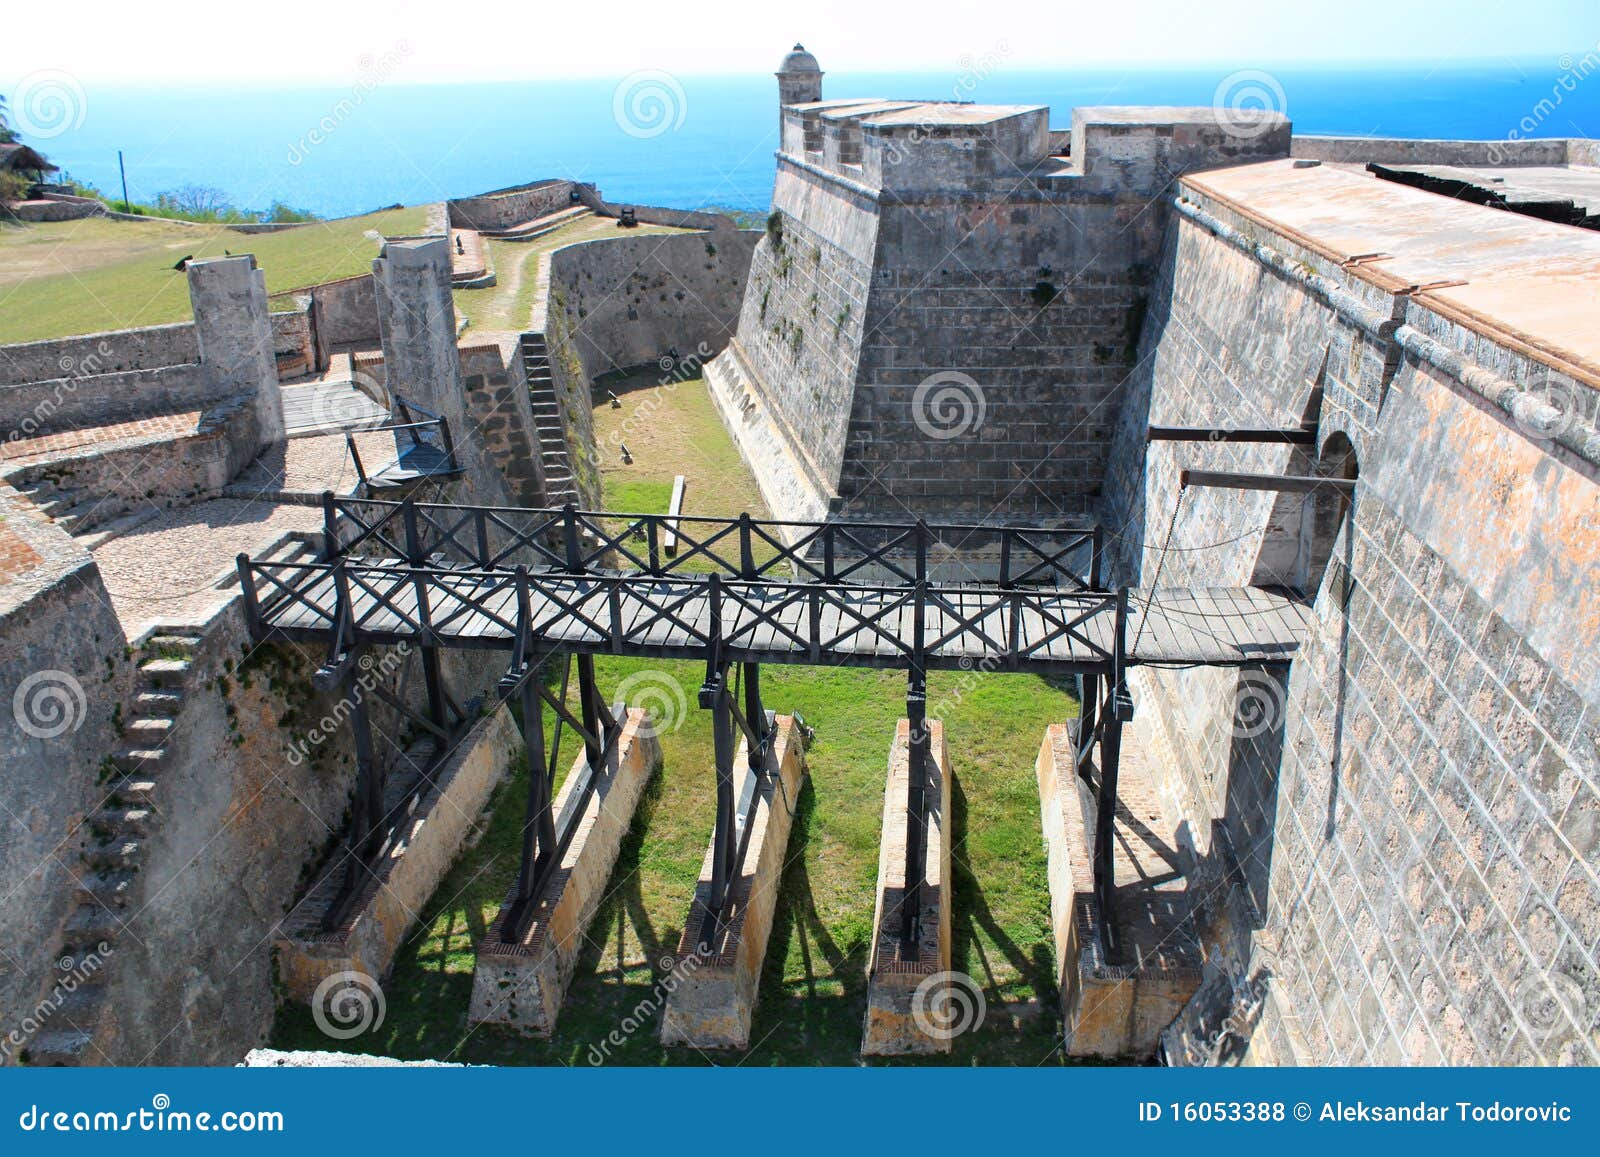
<point>1258,361</point>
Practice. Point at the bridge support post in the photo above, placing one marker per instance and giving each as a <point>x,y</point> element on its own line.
<point>724,840</point>
<point>711,995</point>
<point>522,974</point>
<point>905,993</point>
<point>1118,710</point>
<point>916,784</point>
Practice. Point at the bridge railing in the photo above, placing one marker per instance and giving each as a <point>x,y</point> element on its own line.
<point>351,599</point>
<point>594,542</point>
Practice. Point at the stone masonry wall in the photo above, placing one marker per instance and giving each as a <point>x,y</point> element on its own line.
<point>507,207</point>
<point>804,314</point>
<point>631,298</point>
<point>63,665</point>
<point>999,332</point>
<point>1402,832</point>
<point>98,353</point>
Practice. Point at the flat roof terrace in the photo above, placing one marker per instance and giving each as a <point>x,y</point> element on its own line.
<point>1498,272</point>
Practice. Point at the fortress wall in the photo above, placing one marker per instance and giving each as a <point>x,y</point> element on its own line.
<point>1025,308</point>
<point>98,353</point>
<point>1418,876</point>
<point>805,312</point>
<point>61,652</point>
<point>502,418</point>
<point>507,207</point>
<point>347,311</point>
<point>631,298</point>
<point>1384,151</point>
<point>66,402</point>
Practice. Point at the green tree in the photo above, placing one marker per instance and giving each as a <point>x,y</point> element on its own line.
<point>7,133</point>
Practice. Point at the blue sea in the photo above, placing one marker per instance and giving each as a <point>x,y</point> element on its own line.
<point>688,141</point>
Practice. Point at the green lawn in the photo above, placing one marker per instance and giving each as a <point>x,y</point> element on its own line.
<point>72,277</point>
<point>813,993</point>
<point>508,303</point>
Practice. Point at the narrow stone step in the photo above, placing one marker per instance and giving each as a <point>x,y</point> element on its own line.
<point>108,889</point>
<point>137,759</point>
<point>148,732</point>
<point>135,791</point>
<point>152,703</point>
<point>63,1046</point>
<point>115,854</point>
<point>164,672</point>
<point>172,646</point>
<point>133,821</point>
<point>91,922</point>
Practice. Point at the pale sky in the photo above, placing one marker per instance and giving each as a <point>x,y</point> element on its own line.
<point>100,41</point>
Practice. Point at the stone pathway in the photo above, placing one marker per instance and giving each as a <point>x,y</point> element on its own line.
<point>166,570</point>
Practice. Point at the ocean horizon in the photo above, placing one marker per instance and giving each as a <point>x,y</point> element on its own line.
<point>692,141</point>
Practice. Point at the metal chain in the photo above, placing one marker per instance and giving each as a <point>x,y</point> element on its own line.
<point>1161,562</point>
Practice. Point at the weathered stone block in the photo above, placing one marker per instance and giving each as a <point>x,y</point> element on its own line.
<point>383,910</point>
<point>901,992</point>
<point>522,985</point>
<point>714,996</point>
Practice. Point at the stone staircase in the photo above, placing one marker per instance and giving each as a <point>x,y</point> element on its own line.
<point>74,1032</point>
<point>555,467</point>
<point>532,230</point>
<point>79,512</point>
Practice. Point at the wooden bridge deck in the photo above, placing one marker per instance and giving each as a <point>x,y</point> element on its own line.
<point>965,626</point>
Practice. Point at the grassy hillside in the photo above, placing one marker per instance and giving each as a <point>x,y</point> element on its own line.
<point>72,277</point>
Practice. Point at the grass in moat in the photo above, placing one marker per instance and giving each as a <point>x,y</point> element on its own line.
<point>74,277</point>
<point>813,989</point>
<point>507,305</point>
